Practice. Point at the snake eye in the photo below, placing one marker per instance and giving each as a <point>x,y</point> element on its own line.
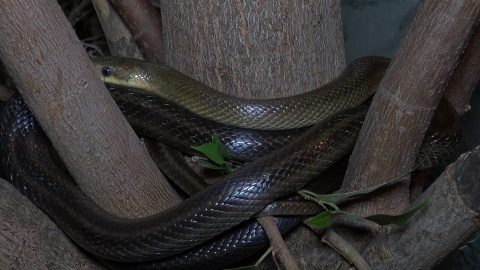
<point>107,71</point>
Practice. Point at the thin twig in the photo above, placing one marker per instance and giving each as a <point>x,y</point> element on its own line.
<point>145,23</point>
<point>76,14</point>
<point>279,247</point>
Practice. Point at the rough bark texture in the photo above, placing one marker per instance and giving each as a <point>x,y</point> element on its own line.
<point>56,78</point>
<point>466,75</point>
<point>450,217</point>
<point>255,49</point>
<point>404,104</point>
<point>120,40</point>
<point>30,240</point>
<point>258,50</point>
<point>145,24</point>
<point>46,246</point>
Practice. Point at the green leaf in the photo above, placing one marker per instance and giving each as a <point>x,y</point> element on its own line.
<point>339,197</point>
<point>230,169</point>
<point>214,150</point>
<point>399,220</point>
<point>211,151</point>
<point>348,195</point>
<point>322,220</point>
<point>221,148</point>
<point>209,165</point>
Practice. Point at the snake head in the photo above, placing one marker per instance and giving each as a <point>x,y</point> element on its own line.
<point>128,72</point>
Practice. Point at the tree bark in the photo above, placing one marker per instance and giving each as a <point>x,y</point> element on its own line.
<point>450,217</point>
<point>404,104</point>
<point>120,40</point>
<point>401,111</point>
<point>466,75</point>
<point>258,50</point>
<point>145,24</point>
<point>255,49</point>
<point>30,240</point>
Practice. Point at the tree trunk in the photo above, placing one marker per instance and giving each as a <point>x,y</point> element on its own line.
<point>448,220</point>
<point>258,50</point>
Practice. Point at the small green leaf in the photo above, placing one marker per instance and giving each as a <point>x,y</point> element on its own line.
<point>399,220</point>
<point>221,148</point>
<point>209,165</point>
<point>229,169</point>
<point>216,153</point>
<point>322,220</point>
<point>339,197</point>
<point>214,150</point>
<point>211,151</point>
<point>348,195</point>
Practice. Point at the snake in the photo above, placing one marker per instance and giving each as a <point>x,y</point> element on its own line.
<point>290,112</point>
<point>213,228</point>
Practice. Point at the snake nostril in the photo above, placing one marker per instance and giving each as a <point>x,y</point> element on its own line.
<point>107,71</point>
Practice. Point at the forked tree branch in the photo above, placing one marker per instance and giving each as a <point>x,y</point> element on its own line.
<point>405,101</point>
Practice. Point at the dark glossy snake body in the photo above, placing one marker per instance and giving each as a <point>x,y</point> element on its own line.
<point>208,230</point>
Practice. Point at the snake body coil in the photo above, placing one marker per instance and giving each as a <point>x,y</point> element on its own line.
<point>355,85</point>
<point>201,232</point>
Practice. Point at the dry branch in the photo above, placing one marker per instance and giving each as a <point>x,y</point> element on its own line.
<point>146,25</point>
<point>450,217</point>
<point>279,248</point>
<point>405,101</point>
<point>120,40</point>
<point>466,75</point>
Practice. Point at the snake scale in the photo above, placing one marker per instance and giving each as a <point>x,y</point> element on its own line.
<point>213,228</point>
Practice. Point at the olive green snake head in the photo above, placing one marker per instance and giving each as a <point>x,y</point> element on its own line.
<point>351,88</point>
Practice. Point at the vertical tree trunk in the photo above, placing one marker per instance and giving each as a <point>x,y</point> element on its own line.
<point>257,49</point>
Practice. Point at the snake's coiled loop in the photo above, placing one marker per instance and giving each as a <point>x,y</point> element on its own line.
<point>208,230</point>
